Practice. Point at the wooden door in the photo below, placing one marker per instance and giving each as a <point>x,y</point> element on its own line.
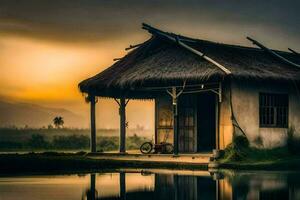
<point>187,124</point>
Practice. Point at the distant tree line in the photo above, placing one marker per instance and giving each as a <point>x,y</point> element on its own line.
<point>69,142</point>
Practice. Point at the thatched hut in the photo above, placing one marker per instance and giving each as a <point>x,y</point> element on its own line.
<point>205,92</point>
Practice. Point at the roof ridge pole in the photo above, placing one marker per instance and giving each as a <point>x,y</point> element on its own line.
<point>175,38</point>
<point>272,52</point>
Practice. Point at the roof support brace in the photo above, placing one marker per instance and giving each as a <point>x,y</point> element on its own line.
<point>177,40</point>
<point>217,91</point>
<point>273,53</point>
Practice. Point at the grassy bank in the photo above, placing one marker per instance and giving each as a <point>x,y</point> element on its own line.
<point>239,155</point>
<point>51,162</point>
<point>256,159</point>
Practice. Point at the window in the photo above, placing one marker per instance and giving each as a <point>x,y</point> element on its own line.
<point>273,110</point>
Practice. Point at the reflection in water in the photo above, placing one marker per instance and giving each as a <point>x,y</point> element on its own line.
<point>156,185</point>
<point>227,186</point>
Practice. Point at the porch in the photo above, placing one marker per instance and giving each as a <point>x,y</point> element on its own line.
<point>186,117</point>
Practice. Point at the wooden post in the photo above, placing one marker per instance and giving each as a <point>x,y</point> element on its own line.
<point>93,123</point>
<point>175,120</point>
<point>122,112</point>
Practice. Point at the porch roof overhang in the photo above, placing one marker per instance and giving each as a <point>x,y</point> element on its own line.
<point>151,90</point>
<point>167,60</point>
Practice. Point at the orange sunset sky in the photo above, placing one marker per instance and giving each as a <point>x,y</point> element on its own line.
<point>48,47</point>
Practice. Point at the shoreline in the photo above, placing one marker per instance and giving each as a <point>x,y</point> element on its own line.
<point>66,163</point>
<point>63,163</point>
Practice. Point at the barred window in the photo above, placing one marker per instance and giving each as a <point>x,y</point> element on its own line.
<point>273,110</point>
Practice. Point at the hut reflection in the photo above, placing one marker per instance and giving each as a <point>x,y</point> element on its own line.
<point>235,186</point>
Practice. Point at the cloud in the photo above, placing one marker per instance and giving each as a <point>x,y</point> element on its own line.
<point>79,38</point>
<point>87,21</point>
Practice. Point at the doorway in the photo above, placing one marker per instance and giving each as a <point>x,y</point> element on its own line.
<point>206,122</point>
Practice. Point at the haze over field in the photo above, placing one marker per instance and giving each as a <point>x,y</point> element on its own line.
<point>48,46</point>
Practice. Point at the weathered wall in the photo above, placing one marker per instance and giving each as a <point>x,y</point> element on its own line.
<point>226,128</point>
<point>245,99</point>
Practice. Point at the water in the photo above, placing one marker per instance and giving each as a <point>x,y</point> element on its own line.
<point>156,185</point>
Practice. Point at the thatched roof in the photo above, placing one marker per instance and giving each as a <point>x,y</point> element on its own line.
<point>161,62</point>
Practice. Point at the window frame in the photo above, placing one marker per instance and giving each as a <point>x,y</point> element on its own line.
<point>274,110</point>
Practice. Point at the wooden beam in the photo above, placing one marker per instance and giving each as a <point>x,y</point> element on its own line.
<point>273,53</point>
<point>122,112</point>
<point>176,38</point>
<point>93,122</point>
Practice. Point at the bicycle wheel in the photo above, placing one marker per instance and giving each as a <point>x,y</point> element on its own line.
<point>146,147</point>
<point>169,148</point>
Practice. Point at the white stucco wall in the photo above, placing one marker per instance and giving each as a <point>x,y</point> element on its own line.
<point>245,99</point>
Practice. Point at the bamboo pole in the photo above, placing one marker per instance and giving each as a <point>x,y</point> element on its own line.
<point>293,51</point>
<point>176,38</point>
<point>273,52</point>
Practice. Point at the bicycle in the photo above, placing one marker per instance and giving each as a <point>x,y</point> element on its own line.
<point>163,147</point>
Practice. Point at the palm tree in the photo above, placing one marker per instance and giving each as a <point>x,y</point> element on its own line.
<point>58,121</point>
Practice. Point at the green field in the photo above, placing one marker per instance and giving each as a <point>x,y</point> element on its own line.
<point>22,140</point>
